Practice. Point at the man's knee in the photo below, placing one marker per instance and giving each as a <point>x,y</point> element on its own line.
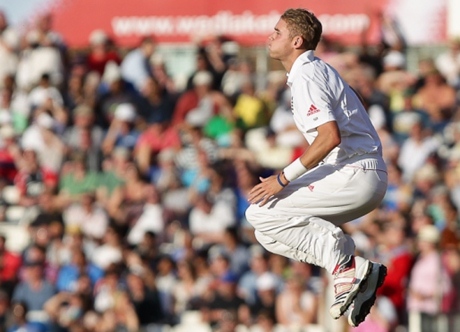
<point>253,215</point>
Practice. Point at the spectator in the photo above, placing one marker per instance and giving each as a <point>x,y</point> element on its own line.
<point>296,306</point>
<point>429,284</point>
<point>69,274</point>
<point>208,220</point>
<point>32,179</point>
<point>85,136</point>
<point>166,281</point>
<point>448,62</point>
<point>223,299</point>
<point>21,321</point>
<point>151,219</point>
<point>127,201</point>
<point>11,263</point>
<point>110,252</point>
<point>155,103</point>
<point>122,131</point>
<point>190,290</point>
<point>146,302</point>
<point>101,52</point>
<point>157,136</point>
<point>396,254</point>
<point>135,66</point>
<point>34,290</point>
<point>416,150</point>
<point>76,179</point>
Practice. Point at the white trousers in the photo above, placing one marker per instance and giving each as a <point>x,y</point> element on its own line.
<point>301,222</point>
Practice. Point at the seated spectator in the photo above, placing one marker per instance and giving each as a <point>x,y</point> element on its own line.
<point>101,52</point>
<point>110,251</point>
<point>151,219</point>
<point>429,284</point>
<point>65,310</point>
<point>416,150</point>
<point>166,281</point>
<point>135,67</point>
<point>258,264</point>
<point>32,179</point>
<point>223,299</point>
<point>395,253</point>
<point>11,264</point>
<point>208,220</point>
<point>157,136</point>
<point>267,286</point>
<point>76,179</point>
<point>69,274</point>
<point>236,250</point>
<point>48,96</point>
<point>9,154</point>
<point>84,136</point>
<point>122,130</point>
<point>296,305</point>
<point>197,106</point>
<point>115,91</point>
<point>250,110</point>
<point>43,138</point>
<point>34,290</point>
<point>438,99</point>
<point>40,56</point>
<point>127,201</point>
<point>190,289</point>
<point>48,211</point>
<point>146,301</point>
<point>155,103</point>
<point>21,320</point>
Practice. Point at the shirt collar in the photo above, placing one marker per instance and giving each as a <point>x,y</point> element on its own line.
<point>307,56</point>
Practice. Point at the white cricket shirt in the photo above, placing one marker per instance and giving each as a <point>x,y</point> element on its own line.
<point>320,95</point>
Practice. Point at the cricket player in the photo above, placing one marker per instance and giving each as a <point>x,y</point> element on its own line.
<point>341,176</point>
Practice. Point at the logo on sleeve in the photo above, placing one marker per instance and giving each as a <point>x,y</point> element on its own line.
<point>312,110</point>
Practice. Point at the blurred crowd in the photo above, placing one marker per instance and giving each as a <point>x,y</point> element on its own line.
<point>132,188</point>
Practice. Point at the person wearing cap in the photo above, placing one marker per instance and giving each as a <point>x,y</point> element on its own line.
<point>429,284</point>
<point>122,131</point>
<point>196,106</point>
<point>100,52</point>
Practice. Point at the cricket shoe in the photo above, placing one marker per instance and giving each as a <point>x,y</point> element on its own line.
<point>366,296</point>
<point>349,276</point>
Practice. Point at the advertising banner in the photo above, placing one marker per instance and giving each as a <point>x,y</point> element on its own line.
<point>246,21</point>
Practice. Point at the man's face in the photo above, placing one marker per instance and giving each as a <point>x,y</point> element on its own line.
<point>279,42</point>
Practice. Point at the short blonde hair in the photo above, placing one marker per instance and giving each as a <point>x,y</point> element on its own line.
<point>301,22</point>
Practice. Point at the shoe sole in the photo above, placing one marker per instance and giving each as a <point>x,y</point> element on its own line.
<point>354,294</point>
<point>366,297</point>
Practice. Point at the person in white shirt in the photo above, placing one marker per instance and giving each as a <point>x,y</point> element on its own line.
<point>339,177</point>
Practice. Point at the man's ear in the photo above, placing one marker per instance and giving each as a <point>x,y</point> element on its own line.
<point>298,41</point>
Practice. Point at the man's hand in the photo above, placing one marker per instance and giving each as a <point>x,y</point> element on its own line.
<point>267,188</point>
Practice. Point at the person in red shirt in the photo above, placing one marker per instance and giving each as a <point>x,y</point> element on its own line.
<point>10,263</point>
<point>100,52</point>
<point>395,254</point>
<point>158,136</point>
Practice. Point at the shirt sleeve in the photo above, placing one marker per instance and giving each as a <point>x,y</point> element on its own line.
<point>313,104</point>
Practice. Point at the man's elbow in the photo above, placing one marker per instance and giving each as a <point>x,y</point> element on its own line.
<point>335,141</point>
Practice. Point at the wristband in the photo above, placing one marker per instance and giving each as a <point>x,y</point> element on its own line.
<point>279,180</point>
<point>294,170</point>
